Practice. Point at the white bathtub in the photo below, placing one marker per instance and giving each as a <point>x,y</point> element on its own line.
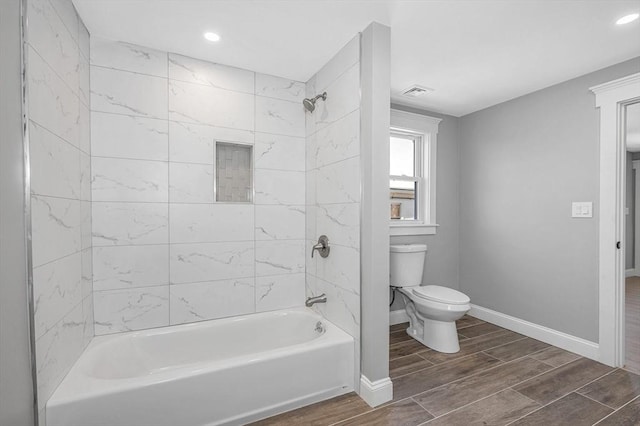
<point>227,371</point>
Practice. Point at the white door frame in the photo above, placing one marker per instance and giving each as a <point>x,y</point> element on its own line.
<point>636,218</point>
<point>611,98</point>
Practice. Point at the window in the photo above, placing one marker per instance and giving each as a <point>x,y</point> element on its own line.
<point>406,171</point>
<point>234,172</point>
<point>412,154</point>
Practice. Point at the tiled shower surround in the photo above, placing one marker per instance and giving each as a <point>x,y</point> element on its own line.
<point>127,234</point>
<point>164,252</point>
<point>57,78</point>
<point>333,190</point>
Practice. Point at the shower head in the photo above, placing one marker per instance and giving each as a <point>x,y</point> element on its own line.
<point>310,104</point>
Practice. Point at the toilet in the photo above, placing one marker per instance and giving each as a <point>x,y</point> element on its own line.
<point>432,309</point>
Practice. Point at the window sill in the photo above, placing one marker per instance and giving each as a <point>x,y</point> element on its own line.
<point>398,229</point>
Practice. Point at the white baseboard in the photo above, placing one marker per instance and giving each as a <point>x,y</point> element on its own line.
<point>376,393</point>
<point>398,317</point>
<point>553,337</point>
<point>631,272</point>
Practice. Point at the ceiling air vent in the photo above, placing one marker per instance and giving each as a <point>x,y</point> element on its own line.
<point>416,91</point>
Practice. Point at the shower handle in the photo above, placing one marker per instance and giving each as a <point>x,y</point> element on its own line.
<point>322,246</point>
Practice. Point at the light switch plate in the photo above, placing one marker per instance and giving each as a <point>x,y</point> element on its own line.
<point>582,209</point>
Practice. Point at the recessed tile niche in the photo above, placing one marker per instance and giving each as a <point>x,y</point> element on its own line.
<point>233,173</point>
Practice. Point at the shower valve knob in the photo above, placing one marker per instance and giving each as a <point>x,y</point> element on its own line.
<point>322,246</point>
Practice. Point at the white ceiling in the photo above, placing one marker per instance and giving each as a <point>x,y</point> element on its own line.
<point>474,53</point>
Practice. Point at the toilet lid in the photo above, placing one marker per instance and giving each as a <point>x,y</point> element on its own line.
<point>441,294</point>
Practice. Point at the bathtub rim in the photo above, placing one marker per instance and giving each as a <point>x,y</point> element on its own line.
<point>78,385</point>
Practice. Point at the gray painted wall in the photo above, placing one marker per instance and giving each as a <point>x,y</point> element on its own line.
<point>441,263</point>
<point>16,387</point>
<point>522,163</point>
<point>629,222</point>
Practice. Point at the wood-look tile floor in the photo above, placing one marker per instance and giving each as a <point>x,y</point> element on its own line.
<point>498,378</point>
<point>632,332</point>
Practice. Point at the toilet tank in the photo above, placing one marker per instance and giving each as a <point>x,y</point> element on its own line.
<point>406,264</point>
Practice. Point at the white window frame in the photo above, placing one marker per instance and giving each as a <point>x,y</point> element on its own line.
<point>427,129</point>
<point>418,177</point>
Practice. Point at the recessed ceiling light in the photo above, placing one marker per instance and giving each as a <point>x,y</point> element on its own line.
<point>212,36</point>
<point>627,19</point>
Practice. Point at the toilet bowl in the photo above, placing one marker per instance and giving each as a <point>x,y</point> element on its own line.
<point>432,309</point>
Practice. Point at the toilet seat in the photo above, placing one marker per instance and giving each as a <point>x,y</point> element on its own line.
<point>436,293</point>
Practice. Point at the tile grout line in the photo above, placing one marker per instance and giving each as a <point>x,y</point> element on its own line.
<point>461,378</point>
<point>483,351</point>
<point>445,362</point>
<point>253,184</point>
<point>191,82</point>
<point>556,366</point>
<point>510,387</point>
<point>484,371</point>
<point>430,364</point>
<point>191,163</point>
<point>57,136</point>
<point>532,411</point>
<point>380,407</point>
<point>434,365</point>
<point>62,257</point>
<point>194,123</point>
<point>547,348</point>
<point>63,80</point>
<point>423,407</point>
<point>168,199</point>
<point>594,400</point>
<point>470,338</point>
<point>559,398</point>
<point>522,356</point>
<point>404,356</point>
<point>90,177</point>
<point>505,344</point>
<point>471,325</point>
<point>485,334</point>
<point>478,400</point>
<point>615,411</point>
<point>75,38</point>
<point>61,319</point>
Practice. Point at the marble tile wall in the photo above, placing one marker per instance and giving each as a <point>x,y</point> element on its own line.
<point>333,190</point>
<point>164,252</point>
<point>59,150</point>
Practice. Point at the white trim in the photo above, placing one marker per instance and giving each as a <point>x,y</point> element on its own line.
<point>553,337</point>
<point>376,393</point>
<point>414,122</point>
<point>631,272</point>
<point>621,83</point>
<point>396,229</point>
<point>398,317</point>
<point>611,98</point>
<point>636,219</point>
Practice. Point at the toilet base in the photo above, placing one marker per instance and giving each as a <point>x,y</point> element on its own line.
<point>437,335</point>
<point>441,336</point>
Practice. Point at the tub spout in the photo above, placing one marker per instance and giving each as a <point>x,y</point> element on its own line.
<point>313,300</point>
